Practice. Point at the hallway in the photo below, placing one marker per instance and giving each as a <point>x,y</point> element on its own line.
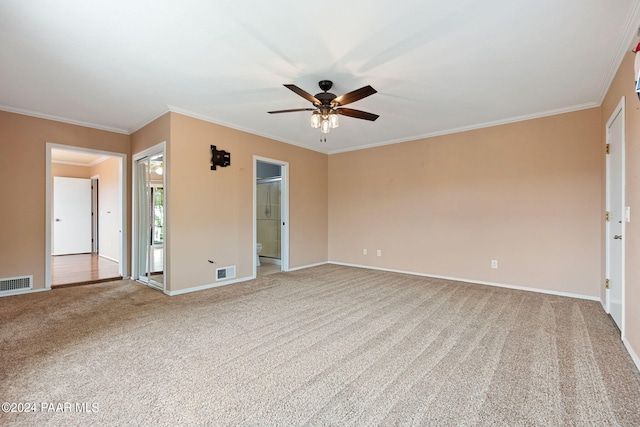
<point>82,269</point>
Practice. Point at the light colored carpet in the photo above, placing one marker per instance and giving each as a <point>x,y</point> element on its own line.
<point>328,345</point>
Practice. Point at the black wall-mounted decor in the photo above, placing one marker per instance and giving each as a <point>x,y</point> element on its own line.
<point>219,158</point>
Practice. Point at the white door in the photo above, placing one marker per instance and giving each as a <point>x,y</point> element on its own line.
<point>71,216</point>
<point>615,208</point>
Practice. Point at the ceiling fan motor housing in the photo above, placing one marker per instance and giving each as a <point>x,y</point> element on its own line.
<point>325,97</point>
<point>325,85</point>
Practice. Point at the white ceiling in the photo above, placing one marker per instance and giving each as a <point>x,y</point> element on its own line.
<point>438,65</point>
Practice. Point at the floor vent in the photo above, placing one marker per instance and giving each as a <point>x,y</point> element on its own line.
<point>16,284</point>
<point>226,273</point>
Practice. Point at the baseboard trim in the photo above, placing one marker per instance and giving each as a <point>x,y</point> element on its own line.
<point>209,286</point>
<point>229,282</point>
<point>476,282</point>
<point>23,291</point>
<point>632,353</point>
<point>267,260</point>
<point>308,266</point>
<point>109,258</point>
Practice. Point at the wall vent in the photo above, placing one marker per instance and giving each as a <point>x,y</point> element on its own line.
<point>226,273</point>
<point>13,284</point>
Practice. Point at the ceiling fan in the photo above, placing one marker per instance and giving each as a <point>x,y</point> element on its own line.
<point>327,106</point>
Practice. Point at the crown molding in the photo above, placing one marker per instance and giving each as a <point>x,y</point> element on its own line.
<point>61,119</point>
<point>473,127</point>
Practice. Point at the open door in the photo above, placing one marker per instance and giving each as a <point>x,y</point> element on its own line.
<point>150,220</point>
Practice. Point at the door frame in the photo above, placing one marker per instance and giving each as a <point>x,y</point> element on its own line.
<point>284,212</point>
<point>122,177</point>
<point>619,111</point>
<point>95,208</point>
<point>151,151</point>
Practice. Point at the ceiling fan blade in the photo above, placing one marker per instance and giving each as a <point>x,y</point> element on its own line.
<point>291,111</point>
<point>306,95</point>
<point>350,112</point>
<point>355,95</point>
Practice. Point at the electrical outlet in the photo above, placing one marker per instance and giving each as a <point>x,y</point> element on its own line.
<point>364,252</point>
<point>379,252</point>
<point>494,263</point>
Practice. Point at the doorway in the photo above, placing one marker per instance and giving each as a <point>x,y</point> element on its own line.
<point>78,257</point>
<point>270,216</point>
<point>616,217</point>
<point>150,217</point>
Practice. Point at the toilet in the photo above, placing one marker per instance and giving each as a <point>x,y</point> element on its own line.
<point>258,250</point>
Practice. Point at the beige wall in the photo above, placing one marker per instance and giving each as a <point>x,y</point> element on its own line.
<point>108,173</point>
<point>23,165</point>
<point>526,194</point>
<point>210,213</point>
<point>623,85</point>
<point>152,134</point>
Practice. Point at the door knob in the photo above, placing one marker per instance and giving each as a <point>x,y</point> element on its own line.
<point>58,220</point>
<point>618,236</point>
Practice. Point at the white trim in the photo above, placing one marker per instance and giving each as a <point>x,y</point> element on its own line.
<point>122,176</point>
<point>628,35</point>
<point>156,149</point>
<point>209,286</point>
<point>48,216</point>
<point>184,112</point>
<point>302,267</point>
<point>95,220</point>
<point>483,125</point>
<point>284,211</point>
<point>107,257</point>
<point>268,260</point>
<point>150,151</point>
<point>23,291</point>
<point>38,115</point>
<point>632,352</point>
<point>153,118</point>
<point>209,119</point>
<point>203,117</point>
<point>476,282</point>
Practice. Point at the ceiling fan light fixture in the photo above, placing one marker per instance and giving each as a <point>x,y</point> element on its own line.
<point>315,120</point>
<point>325,127</point>
<point>333,120</point>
